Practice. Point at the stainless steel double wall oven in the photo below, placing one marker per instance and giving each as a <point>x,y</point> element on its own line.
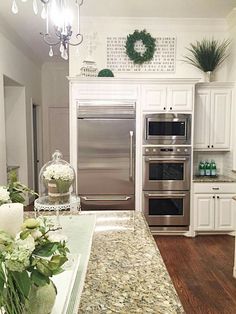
<point>167,169</point>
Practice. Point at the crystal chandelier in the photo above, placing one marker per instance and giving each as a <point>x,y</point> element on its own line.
<point>58,19</point>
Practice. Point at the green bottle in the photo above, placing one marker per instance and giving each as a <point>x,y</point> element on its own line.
<point>213,168</point>
<point>207,168</point>
<point>201,168</point>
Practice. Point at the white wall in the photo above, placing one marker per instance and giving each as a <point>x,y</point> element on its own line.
<point>185,30</point>
<point>19,67</point>
<point>231,19</point>
<point>55,98</point>
<point>16,132</point>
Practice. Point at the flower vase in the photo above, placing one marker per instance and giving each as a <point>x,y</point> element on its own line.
<point>41,299</point>
<point>209,76</point>
<point>58,191</point>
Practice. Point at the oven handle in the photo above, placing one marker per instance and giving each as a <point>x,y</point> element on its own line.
<point>131,166</point>
<point>165,159</point>
<point>108,199</point>
<point>163,195</point>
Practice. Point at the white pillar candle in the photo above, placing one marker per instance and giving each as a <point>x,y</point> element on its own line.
<point>11,217</point>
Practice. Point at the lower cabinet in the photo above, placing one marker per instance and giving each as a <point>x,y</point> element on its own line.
<point>214,212</point>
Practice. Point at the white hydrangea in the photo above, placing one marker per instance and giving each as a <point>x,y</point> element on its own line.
<point>56,172</point>
<point>54,236</point>
<point>4,195</point>
<point>18,258</point>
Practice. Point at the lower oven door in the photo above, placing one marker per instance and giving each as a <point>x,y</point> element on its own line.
<point>166,173</point>
<point>164,208</point>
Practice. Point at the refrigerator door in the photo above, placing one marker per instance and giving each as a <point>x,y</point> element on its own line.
<point>106,161</point>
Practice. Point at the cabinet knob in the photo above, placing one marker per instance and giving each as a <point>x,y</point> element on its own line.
<point>213,197</point>
<point>218,197</point>
<point>208,146</point>
<point>164,108</point>
<point>212,146</point>
<point>170,108</point>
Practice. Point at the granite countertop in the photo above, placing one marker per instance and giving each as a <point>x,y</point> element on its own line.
<point>219,178</point>
<point>126,273</point>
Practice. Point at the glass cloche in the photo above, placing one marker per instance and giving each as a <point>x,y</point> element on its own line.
<point>56,181</point>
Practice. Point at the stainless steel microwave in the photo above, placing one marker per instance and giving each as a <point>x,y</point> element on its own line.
<point>167,129</point>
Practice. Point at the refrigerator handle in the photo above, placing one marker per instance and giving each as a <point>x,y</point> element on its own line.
<point>131,134</point>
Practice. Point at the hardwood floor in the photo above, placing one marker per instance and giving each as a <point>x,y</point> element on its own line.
<point>201,269</point>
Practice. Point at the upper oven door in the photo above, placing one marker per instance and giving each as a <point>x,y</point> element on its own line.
<point>166,173</point>
<point>167,129</point>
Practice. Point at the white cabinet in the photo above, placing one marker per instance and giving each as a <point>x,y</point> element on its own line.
<point>212,127</point>
<point>154,97</point>
<point>204,212</point>
<point>224,212</point>
<point>167,98</point>
<point>214,211</point>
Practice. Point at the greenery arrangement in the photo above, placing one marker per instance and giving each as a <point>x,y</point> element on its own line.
<point>147,40</point>
<point>27,264</point>
<point>105,73</point>
<point>14,191</point>
<point>207,54</point>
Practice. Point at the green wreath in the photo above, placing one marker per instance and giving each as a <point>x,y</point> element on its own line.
<point>149,43</point>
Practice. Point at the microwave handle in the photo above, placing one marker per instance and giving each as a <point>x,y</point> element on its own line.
<point>163,195</point>
<point>165,158</point>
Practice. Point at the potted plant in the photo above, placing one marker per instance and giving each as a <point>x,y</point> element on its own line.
<point>58,178</point>
<point>207,55</point>
<point>14,191</point>
<point>27,264</point>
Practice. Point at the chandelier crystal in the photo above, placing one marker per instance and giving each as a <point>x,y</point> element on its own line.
<point>58,17</point>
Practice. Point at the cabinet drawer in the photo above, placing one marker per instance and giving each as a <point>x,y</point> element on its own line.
<point>214,188</point>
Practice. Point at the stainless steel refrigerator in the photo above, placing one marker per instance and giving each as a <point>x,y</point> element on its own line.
<point>106,155</point>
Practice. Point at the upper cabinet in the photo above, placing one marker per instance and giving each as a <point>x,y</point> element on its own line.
<point>167,98</point>
<point>212,126</point>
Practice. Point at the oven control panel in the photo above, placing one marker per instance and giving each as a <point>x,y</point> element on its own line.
<point>172,150</point>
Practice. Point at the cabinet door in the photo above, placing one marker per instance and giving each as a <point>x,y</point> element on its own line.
<point>220,117</point>
<point>154,97</point>
<point>202,120</point>
<point>204,212</point>
<point>225,212</point>
<point>180,98</point>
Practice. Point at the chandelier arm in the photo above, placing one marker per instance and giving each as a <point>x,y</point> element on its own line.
<point>46,1</point>
<point>48,42</point>
<point>79,40</point>
<point>77,2</point>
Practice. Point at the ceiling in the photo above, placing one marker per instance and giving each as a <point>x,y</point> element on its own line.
<point>25,26</point>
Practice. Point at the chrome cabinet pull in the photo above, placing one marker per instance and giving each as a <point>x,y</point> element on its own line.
<point>131,134</point>
<point>215,189</point>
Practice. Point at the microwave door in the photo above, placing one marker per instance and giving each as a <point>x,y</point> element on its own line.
<point>167,129</point>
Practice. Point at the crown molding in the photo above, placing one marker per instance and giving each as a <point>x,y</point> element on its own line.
<point>10,34</point>
<point>217,24</point>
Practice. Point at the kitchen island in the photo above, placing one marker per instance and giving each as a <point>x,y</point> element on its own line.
<point>126,273</point>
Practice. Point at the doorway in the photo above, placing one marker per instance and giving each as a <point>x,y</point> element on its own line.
<point>37,143</point>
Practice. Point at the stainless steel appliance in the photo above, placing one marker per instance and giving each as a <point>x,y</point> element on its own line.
<point>106,155</point>
<point>167,208</point>
<point>166,168</point>
<point>167,129</point>
<point>166,185</point>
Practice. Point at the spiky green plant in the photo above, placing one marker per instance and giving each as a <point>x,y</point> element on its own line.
<point>207,54</point>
